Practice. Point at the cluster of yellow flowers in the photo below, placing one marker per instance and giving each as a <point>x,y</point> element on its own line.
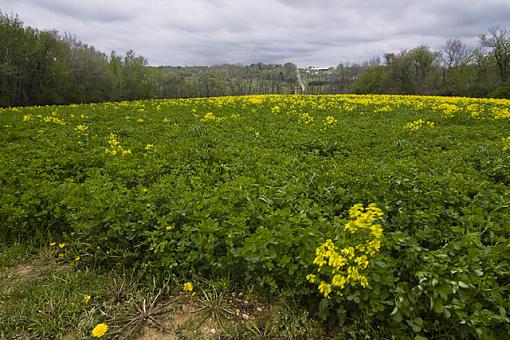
<point>58,250</point>
<point>346,266</point>
<point>501,113</point>
<point>384,109</point>
<point>448,110</point>
<point>275,109</point>
<point>330,121</point>
<point>81,128</point>
<point>54,119</point>
<point>305,118</point>
<point>208,117</point>
<point>417,124</point>
<point>474,110</point>
<point>115,147</point>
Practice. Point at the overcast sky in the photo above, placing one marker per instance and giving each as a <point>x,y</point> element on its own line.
<point>306,32</point>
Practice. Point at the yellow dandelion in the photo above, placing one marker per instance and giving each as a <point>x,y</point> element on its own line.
<point>187,287</point>
<point>86,299</point>
<point>61,245</point>
<point>99,330</point>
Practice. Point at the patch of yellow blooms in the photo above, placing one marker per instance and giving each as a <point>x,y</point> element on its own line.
<point>115,147</point>
<point>81,128</point>
<point>417,124</point>
<point>341,267</point>
<point>208,117</point>
<point>305,118</point>
<point>329,121</point>
<point>54,119</point>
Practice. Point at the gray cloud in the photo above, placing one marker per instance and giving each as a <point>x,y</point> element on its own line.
<point>307,32</point>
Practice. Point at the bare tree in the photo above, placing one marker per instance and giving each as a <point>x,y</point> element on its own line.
<point>499,44</point>
<point>455,53</point>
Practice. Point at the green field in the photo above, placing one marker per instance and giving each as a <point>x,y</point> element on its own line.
<point>244,190</point>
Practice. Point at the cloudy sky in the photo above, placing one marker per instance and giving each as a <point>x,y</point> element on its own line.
<point>306,32</point>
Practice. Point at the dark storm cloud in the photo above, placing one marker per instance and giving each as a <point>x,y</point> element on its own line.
<point>307,32</point>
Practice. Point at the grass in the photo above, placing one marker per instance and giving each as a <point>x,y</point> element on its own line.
<point>43,297</point>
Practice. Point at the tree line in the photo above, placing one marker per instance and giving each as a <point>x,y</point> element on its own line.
<point>455,70</point>
<point>46,67</point>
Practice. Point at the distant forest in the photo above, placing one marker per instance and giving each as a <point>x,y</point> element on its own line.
<point>47,67</point>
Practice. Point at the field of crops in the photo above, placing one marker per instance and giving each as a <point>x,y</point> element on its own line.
<point>388,211</point>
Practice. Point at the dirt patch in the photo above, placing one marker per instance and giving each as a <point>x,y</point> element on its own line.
<point>21,271</point>
<point>194,318</point>
<point>186,320</point>
<point>149,333</point>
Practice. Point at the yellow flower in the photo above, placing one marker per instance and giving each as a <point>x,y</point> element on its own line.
<point>86,299</point>
<point>187,287</point>
<point>149,147</point>
<point>310,278</point>
<point>61,255</point>
<point>325,288</point>
<point>99,330</point>
<point>339,281</point>
<point>336,261</point>
<point>61,245</point>
<point>52,244</point>
<point>169,228</point>
<point>77,258</point>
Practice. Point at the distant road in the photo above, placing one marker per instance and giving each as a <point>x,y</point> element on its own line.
<point>300,81</point>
